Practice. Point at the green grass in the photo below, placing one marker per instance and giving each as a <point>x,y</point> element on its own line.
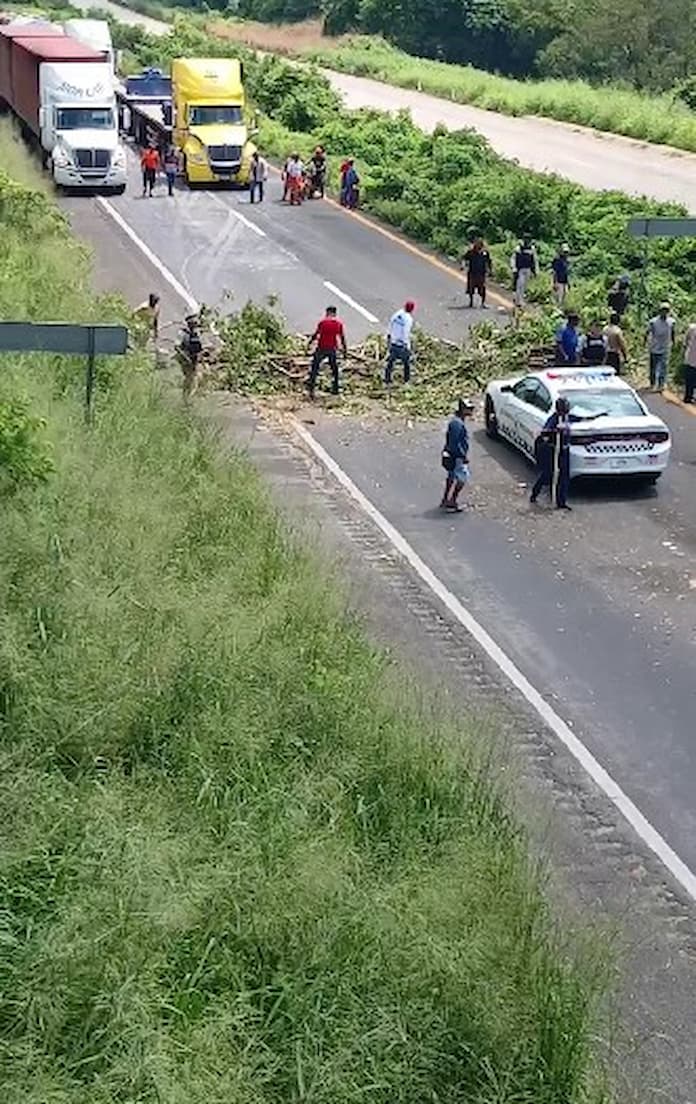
<point>239,863</point>
<point>647,116</point>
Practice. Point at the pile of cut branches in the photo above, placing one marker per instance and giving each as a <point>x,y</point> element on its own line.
<point>252,353</point>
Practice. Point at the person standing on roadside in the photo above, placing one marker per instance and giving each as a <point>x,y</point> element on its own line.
<point>149,163</point>
<point>568,341</point>
<point>258,175</point>
<point>455,456</point>
<point>661,335</point>
<point>619,296</point>
<point>617,354</point>
<point>171,168</point>
<point>295,176</point>
<point>524,265</point>
<point>593,345</point>
<point>399,341</point>
<point>477,261</point>
<point>149,312</point>
<point>690,363</point>
<point>328,335</point>
<point>350,190</point>
<point>560,267</point>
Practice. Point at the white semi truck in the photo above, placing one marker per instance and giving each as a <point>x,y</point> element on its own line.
<point>62,94</point>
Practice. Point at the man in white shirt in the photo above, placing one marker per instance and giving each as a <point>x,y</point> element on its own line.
<point>399,341</point>
<point>690,363</point>
<point>661,338</point>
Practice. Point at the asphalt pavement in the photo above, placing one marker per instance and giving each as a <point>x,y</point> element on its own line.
<point>598,608</point>
<point>596,159</point>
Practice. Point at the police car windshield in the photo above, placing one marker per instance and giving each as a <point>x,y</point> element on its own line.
<point>614,403</point>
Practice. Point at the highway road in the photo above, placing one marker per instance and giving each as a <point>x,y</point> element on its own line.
<point>596,609</point>
<point>597,160</point>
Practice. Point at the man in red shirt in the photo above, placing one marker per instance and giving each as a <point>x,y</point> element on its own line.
<point>328,334</point>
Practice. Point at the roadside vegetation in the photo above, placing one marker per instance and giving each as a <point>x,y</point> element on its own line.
<point>238,862</point>
<point>643,89</point>
<point>445,187</point>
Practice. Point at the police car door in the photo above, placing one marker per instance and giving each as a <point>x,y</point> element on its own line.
<point>525,415</point>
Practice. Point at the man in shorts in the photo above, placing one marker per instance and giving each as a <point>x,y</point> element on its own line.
<point>455,456</point>
<point>477,261</point>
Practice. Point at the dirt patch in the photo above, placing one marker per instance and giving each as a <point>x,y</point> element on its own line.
<point>280,38</point>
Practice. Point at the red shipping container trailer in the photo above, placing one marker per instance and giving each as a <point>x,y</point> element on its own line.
<point>8,32</point>
<point>26,57</point>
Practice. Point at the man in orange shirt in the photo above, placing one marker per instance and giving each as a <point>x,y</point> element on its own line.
<point>149,163</point>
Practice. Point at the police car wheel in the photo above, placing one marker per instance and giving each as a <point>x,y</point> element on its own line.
<point>491,420</point>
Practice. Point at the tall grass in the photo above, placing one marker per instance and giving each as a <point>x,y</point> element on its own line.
<point>236,866</point>
<point>649,117</point>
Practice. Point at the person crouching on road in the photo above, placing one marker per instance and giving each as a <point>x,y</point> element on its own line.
<point>477,261</point>
<point>149,163</point>
<point>455,456</point>
<point>258,175</point>
<point>295,175</point>
<point>328,335</point>
<point>399,341</point>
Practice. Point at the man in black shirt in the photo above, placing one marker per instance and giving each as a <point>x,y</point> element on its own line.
<point>477,260</point>
<point>618,297</point>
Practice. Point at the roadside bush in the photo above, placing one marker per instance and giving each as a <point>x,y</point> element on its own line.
<point>24,458</point>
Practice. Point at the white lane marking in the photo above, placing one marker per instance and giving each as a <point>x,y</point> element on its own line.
<point>350,301</point>
<point>631,813</point>
<point>247,222</point>
<point>643,828</point>
<point>147,252</point>
<point>232,210</point>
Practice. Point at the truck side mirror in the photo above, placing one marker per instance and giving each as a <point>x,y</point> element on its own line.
<point>252,133</point>
<point>42,118</point>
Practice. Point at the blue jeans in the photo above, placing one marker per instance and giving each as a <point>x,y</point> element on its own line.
<point>658,369</point>
<point>401,353</point>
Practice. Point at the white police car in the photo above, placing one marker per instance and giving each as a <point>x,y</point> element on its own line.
<point>626,440</point>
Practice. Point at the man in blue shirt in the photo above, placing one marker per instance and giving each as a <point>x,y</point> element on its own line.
<point>455,456</point>
<point>567,342</point>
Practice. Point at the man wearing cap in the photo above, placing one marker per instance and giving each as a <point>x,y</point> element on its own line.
<point>455,456</point>
<point>560,267</point>
<point>399,341</point>
<point>661,337</point>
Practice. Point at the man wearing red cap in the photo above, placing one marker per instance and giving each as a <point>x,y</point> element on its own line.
<point>399,341</point>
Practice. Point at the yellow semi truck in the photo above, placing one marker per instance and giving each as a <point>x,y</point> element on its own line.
<point>209,121</point>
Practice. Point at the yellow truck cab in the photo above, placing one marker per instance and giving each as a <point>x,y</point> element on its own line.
<point>209,124</point>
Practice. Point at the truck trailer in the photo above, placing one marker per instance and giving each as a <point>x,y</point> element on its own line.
<point>62,94</point>
<point>94,33</point>
<point>200,110</point>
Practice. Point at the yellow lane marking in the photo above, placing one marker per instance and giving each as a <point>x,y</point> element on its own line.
<point>676,401</point>
<point>494,296</point>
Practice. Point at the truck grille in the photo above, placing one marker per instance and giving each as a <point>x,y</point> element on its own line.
<point>96,160</point>
<point>226,154</point>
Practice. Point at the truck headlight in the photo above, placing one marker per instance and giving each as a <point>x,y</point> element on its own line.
<point>118,159</point>
<point>198,158</point>
<point>62,158</point>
